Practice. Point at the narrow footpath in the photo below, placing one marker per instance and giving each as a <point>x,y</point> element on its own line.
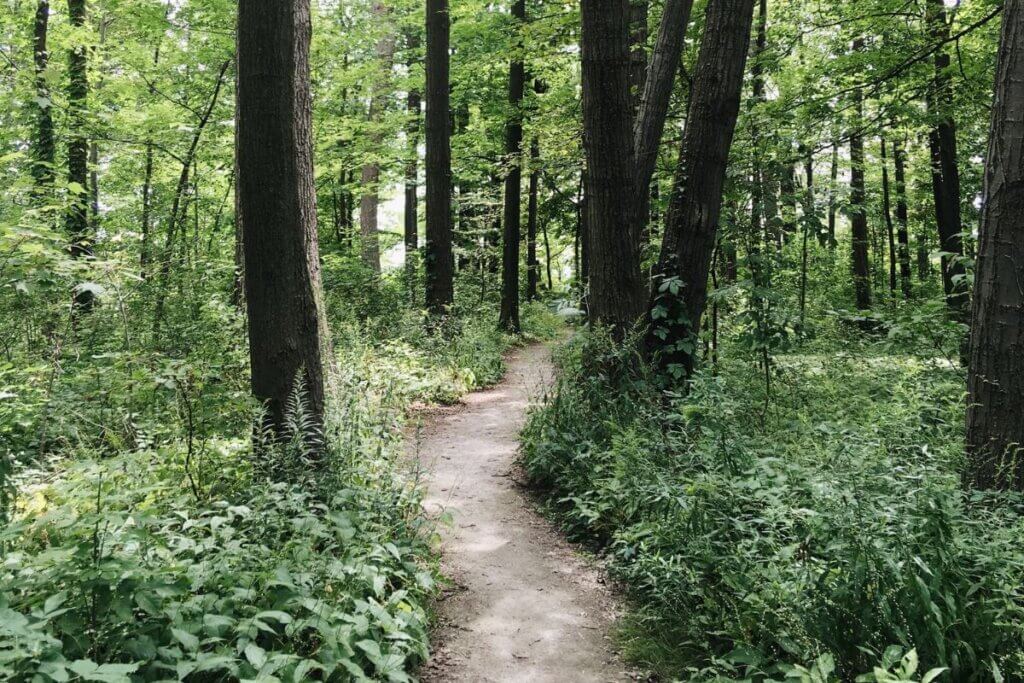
<point>524,606</point>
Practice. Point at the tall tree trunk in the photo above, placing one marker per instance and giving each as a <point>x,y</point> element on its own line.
<point>439,263</point>
<point>861,265</point>
<point>616,285</point>
<point>43,151</point>
<point>369,179</point>
<point>902,233</point>
<point>652,109</point>
<point>995,430</point>
<point>78,150</point>
<point>277,198</point>
<point>810,224</point>
<point>832,203</point>
<point>887,211</point>
<point>678,300</point>
<point>411,208</point>
<point>509,317</point>
<point>945,170</point>
<point>532,266</point>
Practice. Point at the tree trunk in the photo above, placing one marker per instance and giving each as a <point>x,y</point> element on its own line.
<point>945,171</point>
<point>652,108</point>
<point>691,223</point>
<point>637,50</point>
<point>532,266</point>
<point>78,150</point>
<point>439,263</point>
<point>858,210</point>
<point>411,208</point>
<point>43,152</point>
<point>995,430</point>
<point>887,211</point>
<point>616,285</point>
<point>277,201</point>
<point>832,204</point>
<point>509,316</point>
<point>369,179</point>
<point>902,233</point>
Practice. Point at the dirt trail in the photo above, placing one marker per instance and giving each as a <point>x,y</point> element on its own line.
<point>524,606</point>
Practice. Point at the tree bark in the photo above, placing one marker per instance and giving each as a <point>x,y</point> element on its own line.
<point>945,170</point>
<point>411,208</point>
<point>616,285</point>
<point>861,265</point>
<point>369,179</point>
<point>78,150</point>
<point>691,223</point>
<point>652,108</point>
<point>439,263</point>
<point>277,200</point>
<point>637,50</point>
<point>832,204</point>
<point>902,233</point>
<point>995,430</point>
<point>887,211</point>
<point>44,152</point>
<point>532,266</point>
<point>509,316</point>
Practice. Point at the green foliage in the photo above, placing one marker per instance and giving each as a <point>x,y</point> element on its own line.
<point>755,536</point>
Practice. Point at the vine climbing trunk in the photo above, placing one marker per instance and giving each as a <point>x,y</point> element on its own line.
<point>691,224</point>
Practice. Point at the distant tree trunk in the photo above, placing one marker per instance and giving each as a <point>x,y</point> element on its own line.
<point>995,430</point>
<point>810,223</point>
<point>858,210</point>
<point>369,179</point>
<point>277,201</point>
<point>43,152</point>
<point>832,204</point>
<point>147,213</point>
<point>945,171</point>
<point>789,201</point>
<point>691,223</point>
<point>509,317</point>
<point>616,285</point>
<point>411,208</point>
<point>532,266</point>
<point>78,150</point>
<point>439,263</point>
<point>887,211</point>
<point>652,108</point>
<point>902,233</point>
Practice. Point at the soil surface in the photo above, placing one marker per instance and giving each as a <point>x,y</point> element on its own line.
<point>524,606</point>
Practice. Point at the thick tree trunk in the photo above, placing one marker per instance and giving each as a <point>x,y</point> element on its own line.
<point>43,151</point>
<point>369,200</point>
<point>902,233</point>
<point>995,430</point>
<point>277,201</point>
<point>78,150</point>
<point>532,266</point>
<point>439,263</point>
<point>887,211</point>
<point>861,265</point>
<point>509,316</point>
<point>945,170</point>
<point>691,223</point>
<point>616,291</point>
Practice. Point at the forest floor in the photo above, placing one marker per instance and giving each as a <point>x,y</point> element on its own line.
<point>523,604</point>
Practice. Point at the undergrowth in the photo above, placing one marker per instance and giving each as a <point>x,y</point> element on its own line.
<point>818,532</point>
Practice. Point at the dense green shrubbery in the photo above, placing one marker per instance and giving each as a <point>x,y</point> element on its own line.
<point>824,524</point>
